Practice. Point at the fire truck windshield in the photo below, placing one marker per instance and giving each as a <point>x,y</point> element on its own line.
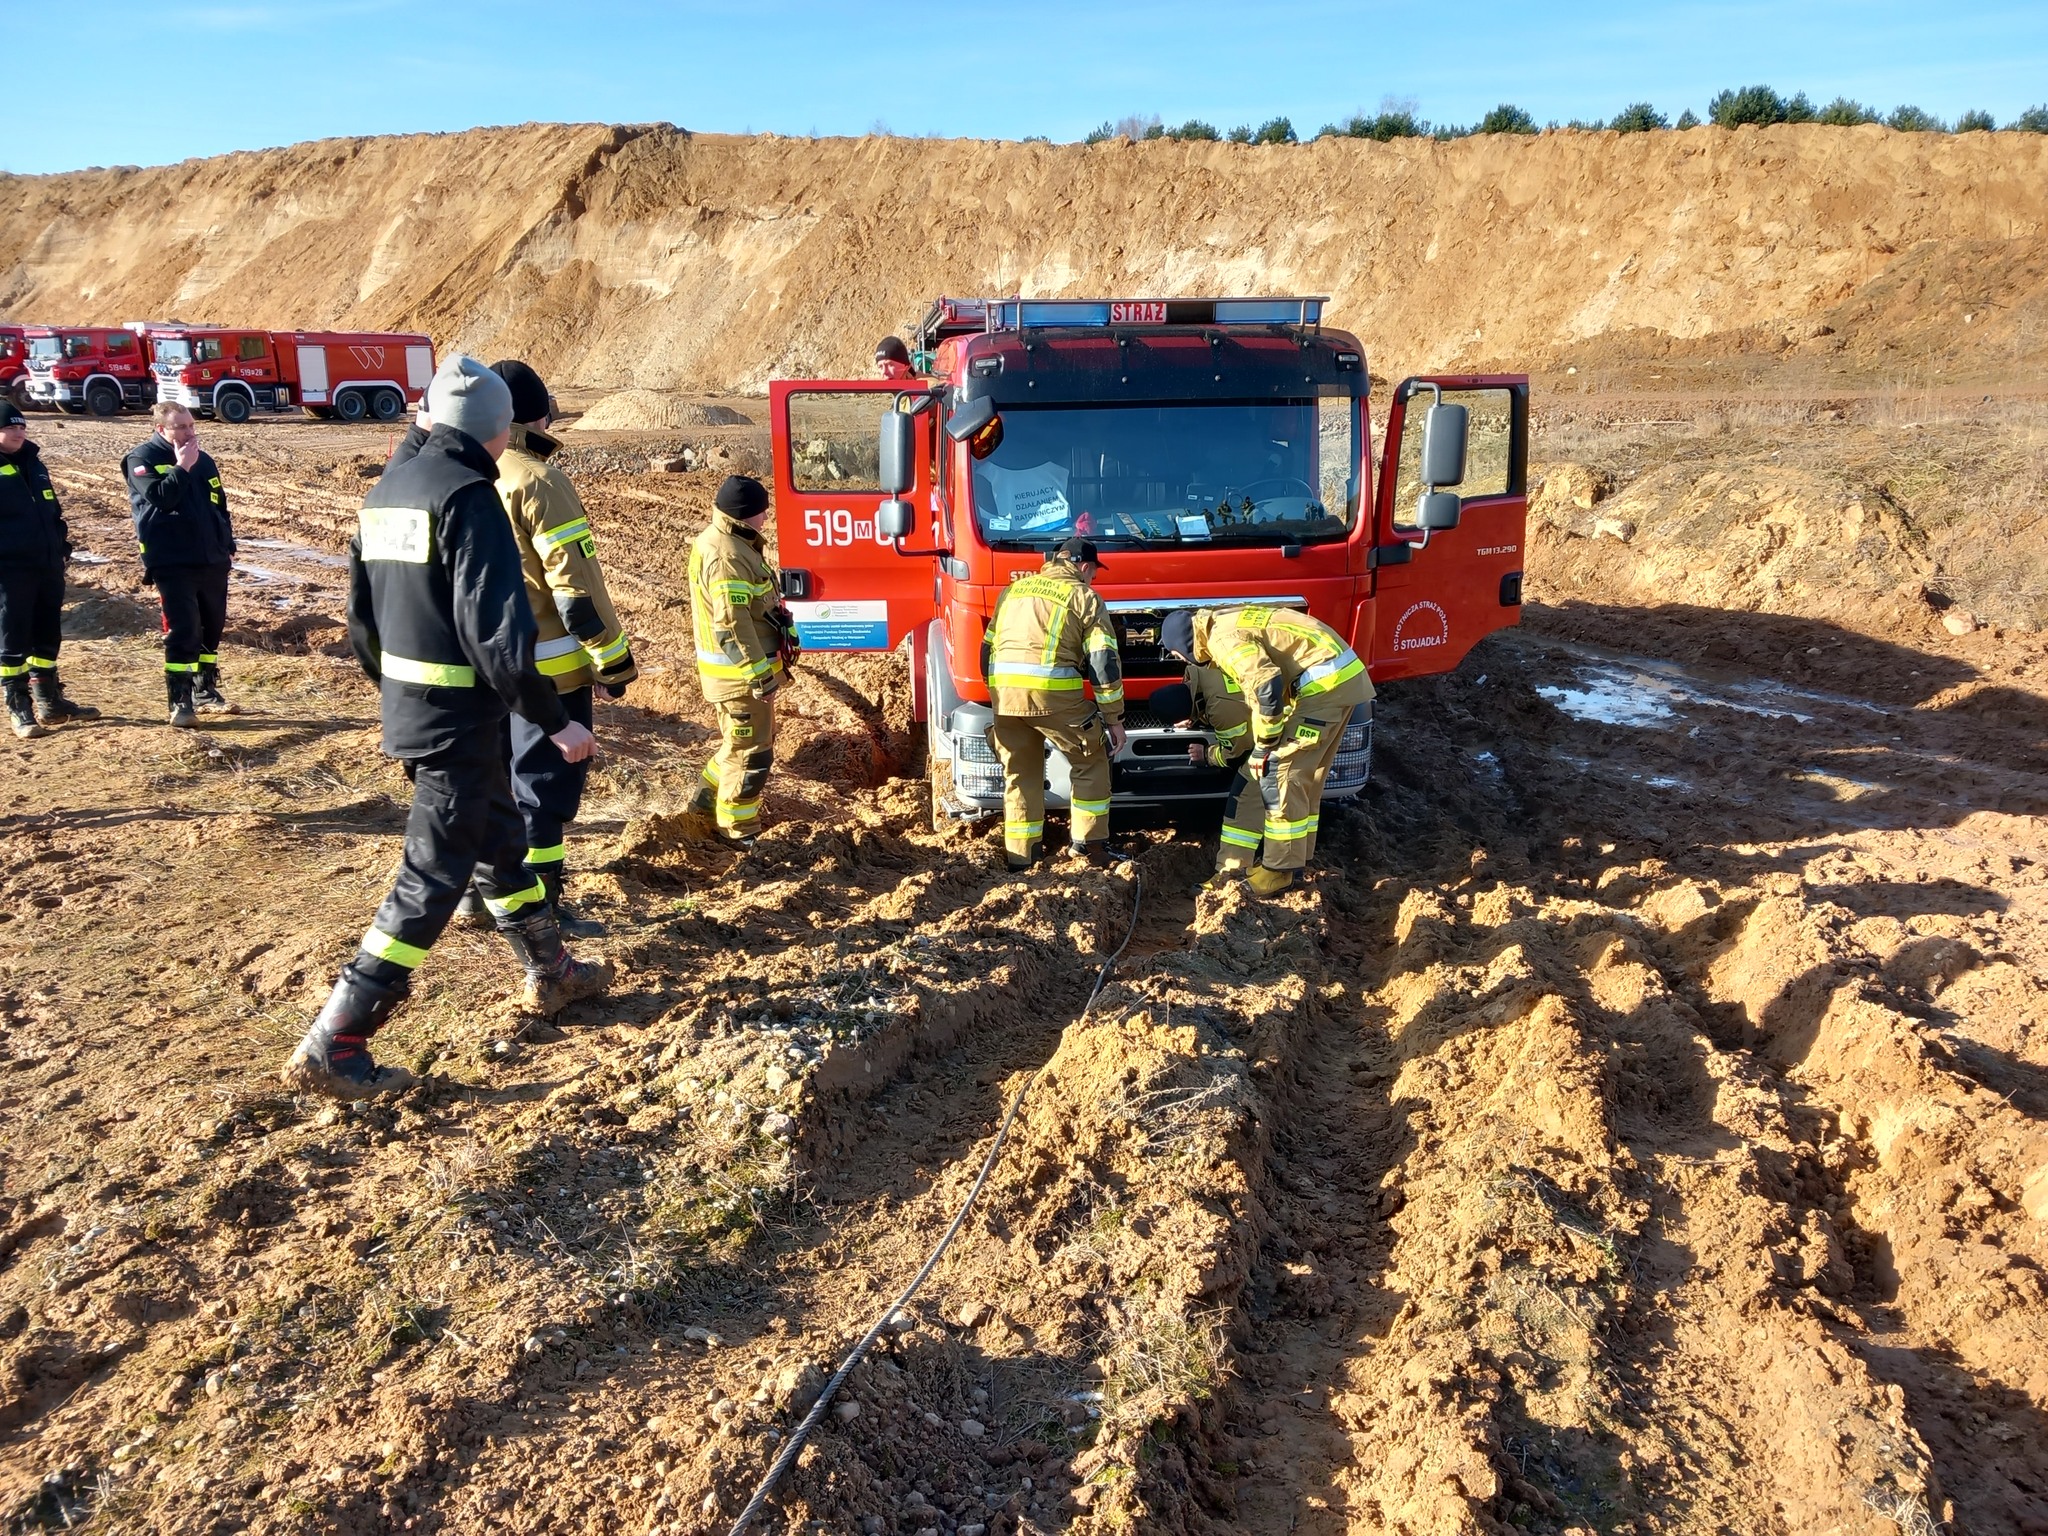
<point>1237,472</point>
<point>172,349</point>
<point>46,349</point>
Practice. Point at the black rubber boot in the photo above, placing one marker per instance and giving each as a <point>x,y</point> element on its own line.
<point>52,708</point>
<point>334,1058</point>
<point>471,911</point>
<point>21,710</point>
<point>554,977</point>
<point>206,694</point>
<point>1096,854</point>
<point>179,686</point>
<point>572,923</point>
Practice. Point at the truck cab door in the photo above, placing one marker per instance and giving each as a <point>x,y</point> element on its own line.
<point>1433,600</point>
<point>846,584</point>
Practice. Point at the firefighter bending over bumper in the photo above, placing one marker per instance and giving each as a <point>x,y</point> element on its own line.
<point>746,641</point>
<point>439,619</point>
<point>1049,635</point>
<point>1302,682</point>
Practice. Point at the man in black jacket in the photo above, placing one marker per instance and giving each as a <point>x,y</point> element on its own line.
<point>33,548</point>
<point>438,617</point>
<point>187,544</point>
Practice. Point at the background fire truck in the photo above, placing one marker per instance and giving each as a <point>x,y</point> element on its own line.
<point>103,369</point>
<point>232,374</point>
<point>1219,451</point>
<point>14,365</point>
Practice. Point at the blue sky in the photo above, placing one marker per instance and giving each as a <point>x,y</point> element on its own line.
<point>202,79</point>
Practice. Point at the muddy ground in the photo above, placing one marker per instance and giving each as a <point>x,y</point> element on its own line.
<point>1636,1127</point>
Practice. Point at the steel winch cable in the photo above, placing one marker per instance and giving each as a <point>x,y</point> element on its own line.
<point>793,1447</point>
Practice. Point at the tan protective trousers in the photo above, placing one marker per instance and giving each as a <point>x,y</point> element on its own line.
<point>1020,741</point>
<point>739,768</point>
<point>1281,810</point>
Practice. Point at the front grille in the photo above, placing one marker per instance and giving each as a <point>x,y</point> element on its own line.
<point>1137,634</point>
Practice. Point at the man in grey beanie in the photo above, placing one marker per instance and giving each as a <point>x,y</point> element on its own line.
<point>439,619</point>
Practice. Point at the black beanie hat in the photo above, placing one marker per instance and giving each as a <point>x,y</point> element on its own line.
<point>1173,703</point>
<point>1177,634</point>
<point>530,400</point>
<point>741,497</point>
<point>892,348</point>
<point>9,415</point>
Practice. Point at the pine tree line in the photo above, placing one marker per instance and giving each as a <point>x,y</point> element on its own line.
<point>1757,104</point>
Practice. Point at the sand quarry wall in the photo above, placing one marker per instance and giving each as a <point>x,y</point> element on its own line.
<point>649,257</point>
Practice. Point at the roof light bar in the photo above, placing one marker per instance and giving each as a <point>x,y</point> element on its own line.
<point>957,316</point>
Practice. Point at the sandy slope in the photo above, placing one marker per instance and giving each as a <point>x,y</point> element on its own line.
<point>636,256</point>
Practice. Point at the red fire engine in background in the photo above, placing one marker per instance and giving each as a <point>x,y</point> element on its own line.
<point>103,369</point>
<point>1218,451</point>
<point>232,374</point>
<point>14,365</point>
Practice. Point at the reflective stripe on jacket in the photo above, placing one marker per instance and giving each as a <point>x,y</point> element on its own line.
<point>733,590</point>
<point>1278,656</point>
<point>1220,705</point>
<point>1051,633</point>
<point>580,637</point>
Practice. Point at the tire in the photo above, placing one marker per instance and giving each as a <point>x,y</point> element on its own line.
<point>388,404</point>
<point>103,400</point>
<point>350,405</point>
<point>231,405</point>
<point>18,392</point>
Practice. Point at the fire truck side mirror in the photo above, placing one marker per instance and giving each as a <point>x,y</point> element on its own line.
<point>898,469</point>
<point>1444,431</point>
<point>896,518</point>
<point>1438,511</point>
<point>978,425</point>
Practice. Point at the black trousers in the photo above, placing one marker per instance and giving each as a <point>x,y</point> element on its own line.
<point>547,790</point>
<point>195,604</point>
<point>31,617</point>
<point>463,822</point>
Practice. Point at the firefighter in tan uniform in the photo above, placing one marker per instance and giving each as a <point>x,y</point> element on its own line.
<point>1303,682</point>
<point>581,644</point>
<point>1208,699</point>
<point>1049,635</point>
<point>745,641</point>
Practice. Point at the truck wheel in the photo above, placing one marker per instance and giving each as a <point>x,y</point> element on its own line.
<point>389,404</point>
<point>19,394</point>
<point>233,406</point>
<point>350,405</point>
<point>103,400</point>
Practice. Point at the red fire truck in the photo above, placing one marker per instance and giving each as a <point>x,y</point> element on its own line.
<point>1218,451</point>
<point>103,369</point>
<point>232,374</point>
<point>14,365</point>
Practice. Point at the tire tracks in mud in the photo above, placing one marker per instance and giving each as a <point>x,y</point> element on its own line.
<point>1634,1192</point>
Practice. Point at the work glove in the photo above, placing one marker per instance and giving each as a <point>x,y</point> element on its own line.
<point>765,687</point>
<point>614,690</point>
<point>786,645</point>
<point>1255,764</point>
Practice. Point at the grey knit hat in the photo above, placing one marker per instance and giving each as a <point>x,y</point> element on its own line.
<point>469,397</point>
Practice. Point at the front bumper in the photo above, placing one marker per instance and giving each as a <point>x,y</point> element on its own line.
<point>53,391</point>
<point>1152,770</point>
